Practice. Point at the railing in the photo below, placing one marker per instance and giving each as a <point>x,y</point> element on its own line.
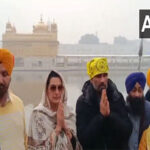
<point>78,62</point>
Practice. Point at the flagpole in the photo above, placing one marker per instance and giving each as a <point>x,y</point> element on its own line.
<point>140,54</point>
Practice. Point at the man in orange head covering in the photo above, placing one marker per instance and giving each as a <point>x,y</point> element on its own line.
<point>147,96</point>
<point>7,59</point>
<point>6,67</point>
<point>12,119</point>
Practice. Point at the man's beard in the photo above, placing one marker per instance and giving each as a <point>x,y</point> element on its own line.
<point>137,105</point>
<point>3,90</point>
<point>100,87</point>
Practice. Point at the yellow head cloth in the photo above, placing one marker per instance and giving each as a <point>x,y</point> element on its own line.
<point>7,59</point>
<point>97,66</point>
<point>148,77</point>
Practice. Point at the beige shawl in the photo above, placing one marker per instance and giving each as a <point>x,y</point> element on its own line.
<point>43,123</point>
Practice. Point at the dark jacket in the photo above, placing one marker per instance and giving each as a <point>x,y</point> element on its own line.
<point>96,132</point>
<point>147,95</point>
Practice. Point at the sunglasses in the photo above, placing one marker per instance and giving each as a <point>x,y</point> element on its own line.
<point>54,87</point>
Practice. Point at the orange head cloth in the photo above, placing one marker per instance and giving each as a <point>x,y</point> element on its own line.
<point>148,77</point>
<point>7,59</point>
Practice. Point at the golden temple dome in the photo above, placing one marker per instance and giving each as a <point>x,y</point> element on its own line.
<point>40,27</point>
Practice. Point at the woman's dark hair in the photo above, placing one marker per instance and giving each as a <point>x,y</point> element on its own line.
<point>52,74</point>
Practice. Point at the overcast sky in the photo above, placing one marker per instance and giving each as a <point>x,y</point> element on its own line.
<point>106,18</point>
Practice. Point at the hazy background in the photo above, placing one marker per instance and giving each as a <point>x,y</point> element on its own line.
<point>105,18</point>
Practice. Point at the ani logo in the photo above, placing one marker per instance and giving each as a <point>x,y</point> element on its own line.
<point>144,23</point>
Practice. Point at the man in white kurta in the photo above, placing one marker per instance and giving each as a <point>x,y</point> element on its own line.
<point>12,119</point>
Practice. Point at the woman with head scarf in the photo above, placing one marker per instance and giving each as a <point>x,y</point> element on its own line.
<point>52,125</point>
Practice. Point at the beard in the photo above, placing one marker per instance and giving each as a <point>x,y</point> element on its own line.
<point>136,104</point>
<point>3,90</point>
<point>100,87</point>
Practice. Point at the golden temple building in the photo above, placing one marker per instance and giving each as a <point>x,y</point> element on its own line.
<point>42,42</point>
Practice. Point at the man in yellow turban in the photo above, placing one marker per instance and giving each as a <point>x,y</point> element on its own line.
<point>12,119</point>
<point>147,96</point>
<point>101,116</point>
